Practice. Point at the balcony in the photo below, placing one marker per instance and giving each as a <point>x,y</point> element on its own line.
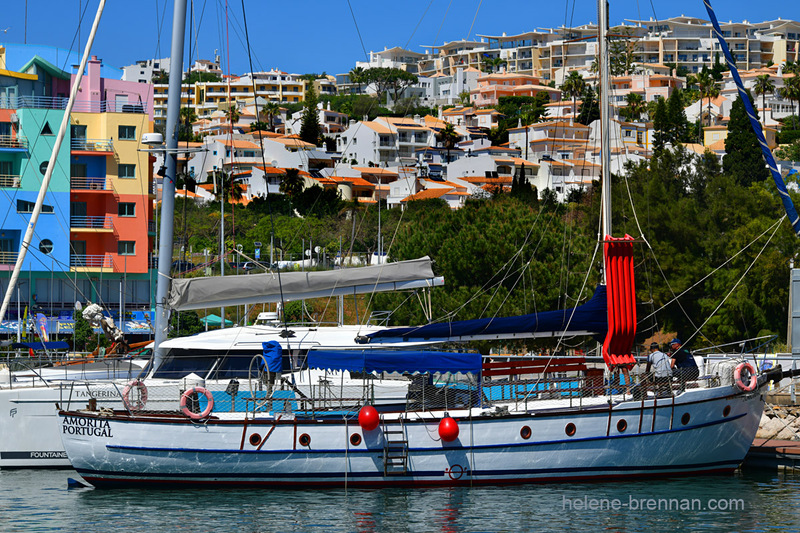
<point>8,258</point>
<point>9,181</point>
<point>13,143</point>
<point>93,224</point>
<point>98,146</point>
<point>84,261</point>
<point>90,184</point>
<point>49,102</point>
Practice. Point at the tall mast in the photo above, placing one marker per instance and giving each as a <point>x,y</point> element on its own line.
<point>605,118</point>
<point>51,165</point>
<point>168,183</point>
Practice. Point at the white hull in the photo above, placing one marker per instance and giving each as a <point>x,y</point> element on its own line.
<point>658,440</point>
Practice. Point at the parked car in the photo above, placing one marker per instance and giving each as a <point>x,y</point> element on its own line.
<point>182,266</point>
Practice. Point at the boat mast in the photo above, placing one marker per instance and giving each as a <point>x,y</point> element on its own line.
<point>51,165</point>
<point>605,119</point>
<point>168,183</point>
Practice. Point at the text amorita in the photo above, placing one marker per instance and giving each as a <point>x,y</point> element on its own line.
<point>86,426</point>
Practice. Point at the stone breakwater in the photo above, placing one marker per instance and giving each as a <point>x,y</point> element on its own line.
<point>780,422</point>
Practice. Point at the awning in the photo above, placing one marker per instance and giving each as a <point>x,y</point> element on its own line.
<point>54,345</point>
<point>395,361</point>
<point>214,320</point>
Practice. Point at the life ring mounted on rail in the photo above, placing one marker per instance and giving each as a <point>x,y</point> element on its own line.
<point>737,377</point>
<point>185,398</point>
<point>140,398</point>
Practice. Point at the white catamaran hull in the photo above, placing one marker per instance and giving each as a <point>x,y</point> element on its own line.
<point>701,431</point>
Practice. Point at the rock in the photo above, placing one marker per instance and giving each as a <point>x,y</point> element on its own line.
<point>770,428</point>
<point>786,434</point>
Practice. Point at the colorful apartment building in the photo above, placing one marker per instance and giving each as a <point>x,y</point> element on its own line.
<point>94,236</point>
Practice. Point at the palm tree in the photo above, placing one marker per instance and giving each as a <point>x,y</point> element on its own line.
<point>358,76</point>
<point>763,86</point>
<point>232,114</point>
<point>708,89</point>
<point>292,183</point>
<point>573,87</point>
<point>493,64</point>
<point>791,85</point>
<point>231,189</point>
<point>268,112</point>
<point>188,116</point>
<point>636,106</point>
<point>448,137</point>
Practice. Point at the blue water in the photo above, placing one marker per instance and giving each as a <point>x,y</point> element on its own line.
<point>40,501</point>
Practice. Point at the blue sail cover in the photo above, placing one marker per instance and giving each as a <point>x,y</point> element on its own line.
<point>590,317</point>
<point>788,206</point>
<point>395,361</point>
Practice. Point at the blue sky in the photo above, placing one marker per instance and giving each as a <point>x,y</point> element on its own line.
<point>320,35</point>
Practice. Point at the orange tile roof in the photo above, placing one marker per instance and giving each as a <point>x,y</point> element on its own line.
<point>240,143</point>
<point>581,163</point>
<point>293,142</point>
<point>427,194</point>
<point>271,170</point>
<point>378,128</point>
<point>376,171</point>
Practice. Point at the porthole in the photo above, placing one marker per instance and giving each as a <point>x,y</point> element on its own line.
<point>726,411</point>
<point>622,425</point>
<point>255,439</point>
<point>525,432</point>
<point>355,439</point>
<point>685,418</point>
<point>570,429</point>
<point>43,167</point>
<point>304,439</point>
<point>45,246</point>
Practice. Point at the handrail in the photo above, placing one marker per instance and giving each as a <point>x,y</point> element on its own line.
<point>92,145</point>
<point>91,106</point>
<point>91,183</point>
<point>100,222</point>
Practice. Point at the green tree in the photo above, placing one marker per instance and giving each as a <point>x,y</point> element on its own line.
<point>791,85</point>
<point>493,64</point>
<point>310,129</point>
<point>268,112</point>
<point>660,125</point>
<point>790,152</point>
<point>635,108</point>
<point>198,76</point>
<point>763,86</point>
<point>573,87</point>
<point>292,183</point>
<point>231,189</point>
<point>83,336</point>
<point>188,117</point>
<point>398,80</point>
<point>160,77</point>
<point>232,115</point>
<point>709,89</point>
<point>743,160</point>
<point>184,324</point>
<point>590,109</point>
<point>676,117</point>
<point>448,137</point>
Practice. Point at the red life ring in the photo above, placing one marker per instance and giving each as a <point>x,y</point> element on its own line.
<point>138,404</point>
<point>185,397</point>
<point>737,377</point>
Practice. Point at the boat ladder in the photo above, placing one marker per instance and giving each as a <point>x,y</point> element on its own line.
<point>395,449</point>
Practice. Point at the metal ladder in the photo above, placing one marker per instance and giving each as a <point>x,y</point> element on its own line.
<point>395,450</point>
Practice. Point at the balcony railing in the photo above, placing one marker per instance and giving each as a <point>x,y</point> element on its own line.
<point>92,145</point>
<point>151,226</point>
<point>90,261</point>
<point>50,102</point>
<point>103,222</point>
<point>7,141</point>
<point>90,184</point>
<point>8,258</point>
<point>9,181</point>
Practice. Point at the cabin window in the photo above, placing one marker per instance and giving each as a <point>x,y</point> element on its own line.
<point>45,246</point>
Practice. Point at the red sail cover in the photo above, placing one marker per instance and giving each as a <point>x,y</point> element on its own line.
<point>621,294</point>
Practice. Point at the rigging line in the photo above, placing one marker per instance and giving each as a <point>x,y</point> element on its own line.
<point>358,31</point>
<point>719,267</point>
<point>775,226</point>
<point>439,31</point>
<point>159,27</point>
<point>474,19</point>
<point>418,23</point>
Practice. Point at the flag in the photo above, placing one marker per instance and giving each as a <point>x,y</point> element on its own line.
<point>41,326</point>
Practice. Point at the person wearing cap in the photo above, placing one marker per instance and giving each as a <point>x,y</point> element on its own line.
<point>662,370</point>
<point>683,363</point>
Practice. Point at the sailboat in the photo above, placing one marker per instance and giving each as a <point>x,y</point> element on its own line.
<point>465,420</point>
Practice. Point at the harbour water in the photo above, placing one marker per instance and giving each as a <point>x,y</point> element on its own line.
<point>745,502</point>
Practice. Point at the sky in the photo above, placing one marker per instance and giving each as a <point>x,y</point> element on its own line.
<point>321,35</point>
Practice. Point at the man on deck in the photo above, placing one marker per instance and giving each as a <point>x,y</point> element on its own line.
<point>683,363</point>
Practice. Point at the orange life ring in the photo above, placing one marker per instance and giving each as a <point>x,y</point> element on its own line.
<point>138,404</point>
<point>737,377</point>
<point>185,397</point>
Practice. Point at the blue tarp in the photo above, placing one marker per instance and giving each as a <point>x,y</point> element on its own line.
<point>272,356</point>
<point>55,345</point>
<point>591,317</point>
<point>395,361</point>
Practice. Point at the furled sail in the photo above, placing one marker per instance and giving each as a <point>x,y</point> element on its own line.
<point>395,361</point>
<point>586,319</point>
<point>200,293</point>
<point>788,206</point>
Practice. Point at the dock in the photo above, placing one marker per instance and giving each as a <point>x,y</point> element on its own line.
<point>773,454</point>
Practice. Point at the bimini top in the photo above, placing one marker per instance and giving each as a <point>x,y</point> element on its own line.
<point>216,291</point>
<point>588,319</point>
<point>395,361</point>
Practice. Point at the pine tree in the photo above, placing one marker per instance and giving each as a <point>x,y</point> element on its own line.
<point>676,118</point>
<point>590,109</point>
<point>743,160</point>
<point>660,125</point>
<point>309,129</point>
